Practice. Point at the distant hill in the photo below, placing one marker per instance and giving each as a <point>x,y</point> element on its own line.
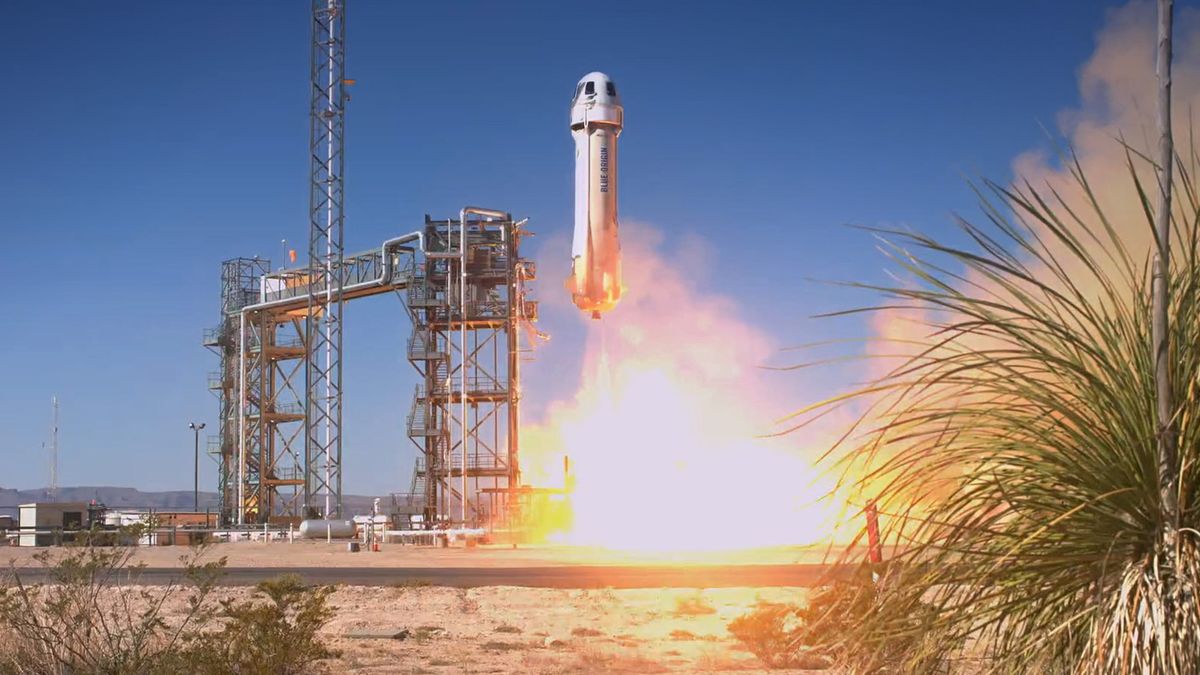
<point>132,498</point>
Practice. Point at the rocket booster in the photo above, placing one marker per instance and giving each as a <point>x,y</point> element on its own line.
<point>596,121</point>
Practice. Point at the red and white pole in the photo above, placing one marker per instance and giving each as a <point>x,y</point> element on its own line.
<point>874,551</point>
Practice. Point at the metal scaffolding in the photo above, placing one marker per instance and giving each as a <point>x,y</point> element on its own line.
<point>469,311</point>
<point>468,306</point>
<point>463,285</point>
<point>240,281</point>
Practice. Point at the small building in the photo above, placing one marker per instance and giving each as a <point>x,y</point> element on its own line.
<point>49,523</point>
<point>179,528</point>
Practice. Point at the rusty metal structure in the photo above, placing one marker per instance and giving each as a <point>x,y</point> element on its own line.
<point>464,285</point>
<point>469,308</point>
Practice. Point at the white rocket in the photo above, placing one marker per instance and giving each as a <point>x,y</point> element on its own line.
<point>596,121</point>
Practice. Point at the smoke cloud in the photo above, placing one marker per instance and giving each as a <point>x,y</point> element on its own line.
<point>1117,90</point>
<point>664,431</point>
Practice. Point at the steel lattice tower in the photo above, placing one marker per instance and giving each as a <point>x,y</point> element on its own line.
<point>323,335</point>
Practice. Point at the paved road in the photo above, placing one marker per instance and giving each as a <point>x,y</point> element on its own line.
<point>572,576</point>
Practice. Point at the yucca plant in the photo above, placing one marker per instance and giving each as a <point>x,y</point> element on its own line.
<point>1015,447</point>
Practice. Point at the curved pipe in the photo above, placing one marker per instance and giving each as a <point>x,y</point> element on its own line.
<point>480,211</point>
<point>386,277</point>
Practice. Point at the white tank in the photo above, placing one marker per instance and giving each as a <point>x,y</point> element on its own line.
<point>319,529</point>
<point>597,119</point>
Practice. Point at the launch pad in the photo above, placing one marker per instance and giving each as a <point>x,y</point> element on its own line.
<point>463,283</point>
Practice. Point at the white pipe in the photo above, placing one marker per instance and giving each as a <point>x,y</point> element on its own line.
<point>462,352</point>
<point>328,316</point>
<point>462,332</point>
<point>241,419</point>
<point>385,276</point>
<point>454,532</point>
<point>449,374</point>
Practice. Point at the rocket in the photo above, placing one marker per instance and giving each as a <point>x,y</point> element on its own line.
<point>596,121</point>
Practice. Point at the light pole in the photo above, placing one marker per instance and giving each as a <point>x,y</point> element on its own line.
<point>196,427</point>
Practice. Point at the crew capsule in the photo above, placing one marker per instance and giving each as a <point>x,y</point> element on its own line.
<point>596,122</point>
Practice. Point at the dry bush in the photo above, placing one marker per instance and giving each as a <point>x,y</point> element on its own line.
<point>767,631</point>
<point>693,605</point>
<point>273,633</point>
<point>93,617</point>
<point>815,635</point>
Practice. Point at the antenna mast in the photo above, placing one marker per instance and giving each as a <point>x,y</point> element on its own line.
<point>52,449</point>
<point>323,346</point>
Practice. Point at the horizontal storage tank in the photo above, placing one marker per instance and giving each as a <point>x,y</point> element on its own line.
<point>319,529</point>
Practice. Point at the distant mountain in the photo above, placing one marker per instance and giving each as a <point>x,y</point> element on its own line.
<point>132,498</point>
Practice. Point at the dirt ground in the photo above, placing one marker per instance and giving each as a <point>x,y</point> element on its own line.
<point>544,631</point>
<point>430,630</point>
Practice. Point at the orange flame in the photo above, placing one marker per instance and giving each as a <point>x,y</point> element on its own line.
<point>662,434</point>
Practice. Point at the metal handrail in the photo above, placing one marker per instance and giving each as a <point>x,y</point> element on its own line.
<point>287,473</point>
<point>290,408</point>
<point>217,380</point>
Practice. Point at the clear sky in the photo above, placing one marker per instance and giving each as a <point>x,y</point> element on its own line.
<point>147,141</point>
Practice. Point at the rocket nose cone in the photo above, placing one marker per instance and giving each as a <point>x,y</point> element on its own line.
<point>594,76</point>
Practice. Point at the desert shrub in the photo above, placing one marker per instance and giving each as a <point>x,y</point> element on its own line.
<point>767,631</point>
<point>693,605</point>
<point>1014,446</point>
<point>91,617</point>
<point>272,633</point>
<point>820,633</point>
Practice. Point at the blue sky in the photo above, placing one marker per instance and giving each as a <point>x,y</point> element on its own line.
<point>147,141</point>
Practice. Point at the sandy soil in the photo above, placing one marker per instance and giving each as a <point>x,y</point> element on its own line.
<point>518,630</point>
<point>500,629</point>
<point>304,553</point>
<point>539,631</point>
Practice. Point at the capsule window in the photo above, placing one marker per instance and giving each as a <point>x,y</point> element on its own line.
<point>612,89</point>
<point>578,90</point>
<point>589,88</point>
